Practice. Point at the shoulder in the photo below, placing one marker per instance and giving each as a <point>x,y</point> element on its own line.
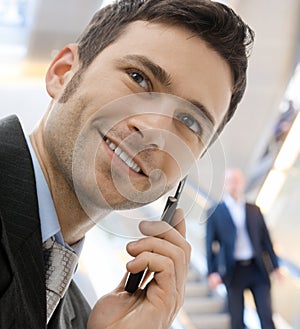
<point>253,211</point>
<point>216,210</point>
<point>252,207</point>
<point>12,139</point>
<point>9,126</point>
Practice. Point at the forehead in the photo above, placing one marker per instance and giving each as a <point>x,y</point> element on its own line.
<point>197,73</point>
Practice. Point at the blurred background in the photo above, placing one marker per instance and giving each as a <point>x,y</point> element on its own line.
<point>263,140</point>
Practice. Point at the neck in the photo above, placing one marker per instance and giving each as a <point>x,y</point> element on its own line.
<point>73,220</point>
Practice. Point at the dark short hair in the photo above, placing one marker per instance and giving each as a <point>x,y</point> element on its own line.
<point>215,23</point>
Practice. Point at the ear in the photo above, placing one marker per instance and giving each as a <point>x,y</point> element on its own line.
<point>61,70</point>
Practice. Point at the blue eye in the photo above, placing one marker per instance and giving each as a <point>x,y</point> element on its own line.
<point>140,79</point>
<point>189,121</point>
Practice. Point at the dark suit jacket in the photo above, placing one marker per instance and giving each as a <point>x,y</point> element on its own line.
<point>22,282</point>
<point>220,230</point>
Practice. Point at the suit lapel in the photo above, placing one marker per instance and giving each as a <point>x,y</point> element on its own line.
<point>227,216</point>
<point>20,217</point>
<point>249,223</point>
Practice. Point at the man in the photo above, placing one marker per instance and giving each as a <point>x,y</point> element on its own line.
<point>102,146</point>
<point>244,256</point>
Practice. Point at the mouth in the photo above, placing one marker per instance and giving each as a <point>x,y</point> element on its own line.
<point>122,155</point>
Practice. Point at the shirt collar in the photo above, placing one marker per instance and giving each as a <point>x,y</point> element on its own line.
<point>230,201</point>
<point>48,217</point>
<point>49,221</point>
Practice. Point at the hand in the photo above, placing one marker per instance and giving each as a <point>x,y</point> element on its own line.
<point>214,279</point>
<point>163,251</point>
<point>278,275</point>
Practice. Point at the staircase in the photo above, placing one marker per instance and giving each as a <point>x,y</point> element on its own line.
<point>203,309</point>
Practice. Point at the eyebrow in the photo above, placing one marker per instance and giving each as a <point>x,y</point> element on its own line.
<point>163,78</point>
<point>157,71</point>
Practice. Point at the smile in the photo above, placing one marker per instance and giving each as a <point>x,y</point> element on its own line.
<point>123,156</point>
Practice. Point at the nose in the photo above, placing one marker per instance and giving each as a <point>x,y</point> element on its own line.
<point>153,128</point>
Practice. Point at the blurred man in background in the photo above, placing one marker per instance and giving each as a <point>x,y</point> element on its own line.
<point>239,252</point>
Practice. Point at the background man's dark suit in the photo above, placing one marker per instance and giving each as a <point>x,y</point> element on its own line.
<point>22,282</point>
<point>221,229</point>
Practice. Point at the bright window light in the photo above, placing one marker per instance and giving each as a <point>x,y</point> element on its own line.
<point>287,154</point>
<point>270,190</point>
<point>293,87</point>
<point>13,12</point>
<point>290,148</point>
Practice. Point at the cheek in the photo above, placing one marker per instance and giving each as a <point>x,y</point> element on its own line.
<point>191,143</point>
<point>172,169</point>
<point>178,157</point>
<point>105,91</point>
<point>197,148</point>
<point>171,165</point>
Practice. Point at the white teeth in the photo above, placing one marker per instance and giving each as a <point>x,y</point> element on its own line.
<point>111,145</point>
<point>118,151</point>
<point>123,156</point>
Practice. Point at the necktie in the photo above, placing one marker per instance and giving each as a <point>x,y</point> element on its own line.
<point>60,264</point>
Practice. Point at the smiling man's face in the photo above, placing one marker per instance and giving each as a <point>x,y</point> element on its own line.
<point>143,111</point>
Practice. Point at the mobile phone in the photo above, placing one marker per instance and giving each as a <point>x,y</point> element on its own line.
<point>134,280</point>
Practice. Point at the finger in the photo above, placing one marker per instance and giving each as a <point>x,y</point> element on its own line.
<point>158,246</point>
<point>164,231</point>
<point>159,228</point>
<point>163,248</point>
<point>163,288</point>
<point>162,266</point>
